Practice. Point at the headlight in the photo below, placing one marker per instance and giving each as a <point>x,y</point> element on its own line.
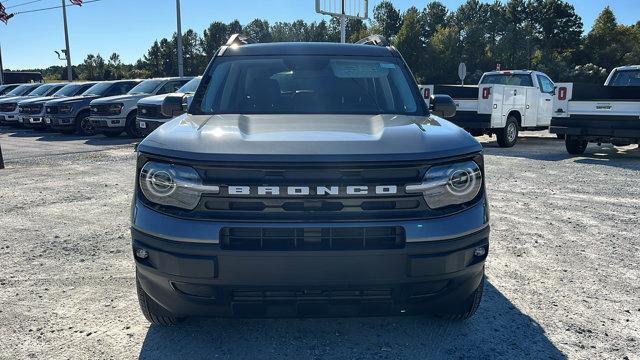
<point>173,185</point>
<point>115,109</point>
<point>452,184</point>
<point>65,109</point>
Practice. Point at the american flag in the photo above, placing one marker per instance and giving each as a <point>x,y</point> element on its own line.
<point>3,14</point>
<point>76,2</point>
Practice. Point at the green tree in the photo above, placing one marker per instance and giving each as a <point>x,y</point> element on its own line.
<point>434,16</point>
<point>258,30</point>
<point>387,19</point>
<point>608,43</point>
<point>409,42</point>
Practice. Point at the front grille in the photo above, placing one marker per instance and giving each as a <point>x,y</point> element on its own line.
<point>101,110</point>
<point>151,112</point>
<point>31,109</point>
<point>51,109</point>
<point>312,239</point>
<point>8,107</point>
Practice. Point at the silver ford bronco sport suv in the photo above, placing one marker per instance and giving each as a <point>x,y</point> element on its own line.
<point>309,179</point>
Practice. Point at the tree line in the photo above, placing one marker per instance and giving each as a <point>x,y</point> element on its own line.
<point>544,35</point>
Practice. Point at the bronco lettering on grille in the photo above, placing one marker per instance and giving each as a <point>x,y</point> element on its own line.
<point>315,190</point>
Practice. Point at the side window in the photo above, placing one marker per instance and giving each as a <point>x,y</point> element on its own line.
<point>171,87</point>
<point>546,85</point>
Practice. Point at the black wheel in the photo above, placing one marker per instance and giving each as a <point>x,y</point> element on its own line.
<point>130,126</point>
<point>560,136</point>
<point>84,126</point>
<point>575,145</point>
<point>112,133</point>
<point>508,136</point>
<point>470,306</point>
<point>151,310</point>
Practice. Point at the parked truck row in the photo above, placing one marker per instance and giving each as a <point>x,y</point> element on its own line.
<point>88,108</point>
<point>506,102</point>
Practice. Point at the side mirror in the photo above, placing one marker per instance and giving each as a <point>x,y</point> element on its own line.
<point>172,105</point>
<point>442,105</point>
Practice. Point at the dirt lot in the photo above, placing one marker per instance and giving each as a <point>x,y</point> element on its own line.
<point>564,269</point>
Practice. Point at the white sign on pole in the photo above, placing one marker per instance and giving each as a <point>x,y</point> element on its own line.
<point>343,9</point>
<point>462,72</point>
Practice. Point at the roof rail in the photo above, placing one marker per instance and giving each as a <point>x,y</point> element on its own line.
<point>238,39</point>
<point>376,40</point>
<point>234,40</point>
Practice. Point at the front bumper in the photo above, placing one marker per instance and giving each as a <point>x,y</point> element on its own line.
<point>60,122</point>
<point>33,121</point>
<point>108,122</point>
<point>147,126</point>
<point>9,118</point>
<point>188,273</point>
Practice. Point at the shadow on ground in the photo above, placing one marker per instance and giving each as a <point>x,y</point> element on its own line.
<point>51,136</point>
<point>498,330</point>
<point>551,149</point>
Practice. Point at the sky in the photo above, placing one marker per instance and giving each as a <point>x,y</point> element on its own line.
<point>129,27</point>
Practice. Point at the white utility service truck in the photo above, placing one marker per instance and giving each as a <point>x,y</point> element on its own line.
<point>609,113</point>
<point>503,103</point>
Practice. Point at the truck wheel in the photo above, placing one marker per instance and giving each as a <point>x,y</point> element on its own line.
<point>84,126</point>
<point>151,310</point>
<point>472,303</point>
<point>508,136</point>
<point>130,126</point>
<point>575,145</point>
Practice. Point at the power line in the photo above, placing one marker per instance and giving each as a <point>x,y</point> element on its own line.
<point>26,3</point>
<point>49,8</point>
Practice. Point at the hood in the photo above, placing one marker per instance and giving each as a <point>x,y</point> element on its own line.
<point>15,99</point>
<point>71,100</point>
<point>153,100</point>
<point>309,138</point>
<point>118,99</point>
<point>38,100</point>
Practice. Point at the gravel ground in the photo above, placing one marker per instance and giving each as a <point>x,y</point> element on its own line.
<point>563,272</point>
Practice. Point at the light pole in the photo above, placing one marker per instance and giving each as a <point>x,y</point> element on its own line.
<point>1,68</point>
<point>180,60</point>
<point>66,41</point>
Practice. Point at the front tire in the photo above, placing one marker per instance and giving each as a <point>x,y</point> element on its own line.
<point>470,305</point>
<point>84,126</point>
<point>575,145</point>
<point>508,136</point>
<point>130,126</point>
<point>152,311</point>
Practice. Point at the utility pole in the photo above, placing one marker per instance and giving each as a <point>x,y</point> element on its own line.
<point>66,41</point>
<point>180,59</point>
<point>343,24</point>
<point>1,76</point>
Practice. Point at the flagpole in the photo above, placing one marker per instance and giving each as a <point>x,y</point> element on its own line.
<point>66,41</point>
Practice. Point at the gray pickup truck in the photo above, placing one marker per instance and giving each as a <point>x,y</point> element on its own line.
<point>71,115</point>
<point>309,179</point>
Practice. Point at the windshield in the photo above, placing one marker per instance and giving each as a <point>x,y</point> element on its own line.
<point>508,79</point>
<point>293,84</point>
<point>44,90</point>
<point>69,90</point>
<point>23,90</point>
<point>98,89</point>
<point>4,89</point>
<point>191,86</point>
<point>626,78</point>
<point>146,87</point>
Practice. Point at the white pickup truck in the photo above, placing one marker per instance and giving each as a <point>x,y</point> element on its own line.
<point>609,113</point>
<point>503,103</point>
